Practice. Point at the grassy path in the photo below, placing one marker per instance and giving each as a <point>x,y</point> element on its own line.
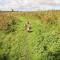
<point>23,45</point>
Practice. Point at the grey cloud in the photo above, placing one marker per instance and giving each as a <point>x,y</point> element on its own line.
<point>28,4</point>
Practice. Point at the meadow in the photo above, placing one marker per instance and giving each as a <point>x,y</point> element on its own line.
<point>43,43</point>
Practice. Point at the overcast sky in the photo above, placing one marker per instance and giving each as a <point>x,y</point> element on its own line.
<point>29,5</point>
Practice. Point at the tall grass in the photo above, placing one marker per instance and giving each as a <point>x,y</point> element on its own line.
<point>43,43</point>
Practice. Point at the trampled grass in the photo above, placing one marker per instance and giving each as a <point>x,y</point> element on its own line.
<point>43,43</point>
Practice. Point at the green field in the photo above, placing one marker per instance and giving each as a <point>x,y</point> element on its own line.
<point>43,43</point>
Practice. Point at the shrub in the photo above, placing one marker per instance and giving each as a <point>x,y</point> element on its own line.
<point>11,26</point>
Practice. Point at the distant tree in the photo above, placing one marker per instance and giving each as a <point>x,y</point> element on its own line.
<point>12,10</point>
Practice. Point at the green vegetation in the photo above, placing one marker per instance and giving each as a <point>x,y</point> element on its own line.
<point>43,43</point>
